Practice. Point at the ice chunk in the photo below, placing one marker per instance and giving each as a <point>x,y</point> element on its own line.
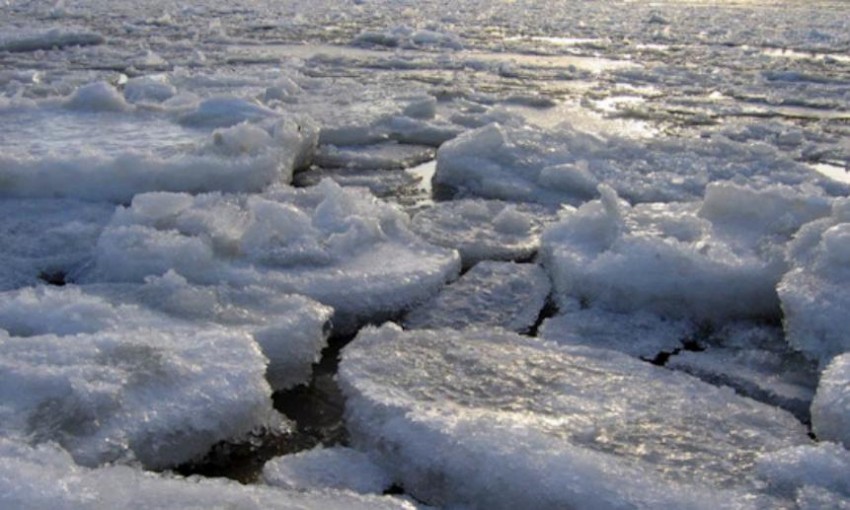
<point>113,155</point>
<point>149,89</point>
<point>484,229</point>
<point>814,293</point>
<point>114,383</point>
<point>47,239</point>
<point>450,413</point>
<point>501,294</point>
<point>385,156</point>
<point>564,166</point>
<point>44,476</point>
<point>54,38</point>
<point>406,37</point>
<point>339,246</point>
<point>327,468</point>
<point>831,406</point>
<point>219,112</point>
<point>641,334</point>
<point>680,259</point>
<point>824,465</point>
<point>291,330</point>
<point>97,97</point>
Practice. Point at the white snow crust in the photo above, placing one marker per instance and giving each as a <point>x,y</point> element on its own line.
<point>831,406</point>
<point>716,260</point>
<point>44,476</point>
<point>117,383</point>
<point>338,246</point>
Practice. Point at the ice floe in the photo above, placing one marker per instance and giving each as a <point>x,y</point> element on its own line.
<point>327,468</point>
<point>484,229</point>
<point>118,383</point>
<point>498,294</point>
<point>36,477</point>
<point>341,247</point>
<point>565,166</point>
<point>455,414</point>
<point>716,260</point>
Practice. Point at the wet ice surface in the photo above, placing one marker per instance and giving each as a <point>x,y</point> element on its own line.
<point>674,170</point>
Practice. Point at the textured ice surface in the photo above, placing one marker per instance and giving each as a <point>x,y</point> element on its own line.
<point>823,466</point>
<point>51,239</point>
<point>757,362</point>
<point>814,293</point>
<point>713,260</point>
<point>291,330</point>
<point>831,407</point>
<point>640,334</point>
<point>339,246</point>
<point>327,468</point>
<point>565,166</point>
<point>100,148</point>
<point>38,477</point>
<point>502,294</point>
<point>114,382</point>
<point>491,419</point>
<point>484,229</point>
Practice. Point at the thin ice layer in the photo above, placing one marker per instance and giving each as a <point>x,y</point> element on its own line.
<point>565,166</point>
<point>327,468</point>
<point>814,293</point>
<point>831,406</point>
<point>450,413</point>
<point>47,239</point>
<point>715,260</point>
<point>484,229</point>
<point>640,334</point>
<point>341,247</point>
<point>381,156</point>
<point>99,147</point>
<point>117,382</point>
<point>34,478</point>
<point>498,294</point>
<point>756,361</point>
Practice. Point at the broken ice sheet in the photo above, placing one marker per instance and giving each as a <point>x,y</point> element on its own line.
<point>453,414</point>
<point>341,247</point>
<point>327,468</point>
<point>503,294</point>
<point>118,383</point>
<point>44,476</point>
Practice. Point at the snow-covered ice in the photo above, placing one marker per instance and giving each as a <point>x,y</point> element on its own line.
<point>814,293</point>
<point>338,246</point>
<point>44,476</point>
<point>831,406</point>
<point>641,334</point>
<point>824,466</point>
<point>484,229</point>
<point>498,294</point>
<point>118,383</point>
<point>717,259</point>
<point>327,468</point>
<point>491,419</point>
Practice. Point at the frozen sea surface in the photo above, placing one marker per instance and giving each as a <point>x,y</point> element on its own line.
<point>200,205</point>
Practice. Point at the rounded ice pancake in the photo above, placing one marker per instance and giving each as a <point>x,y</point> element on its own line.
<point>491,419</point>
<point>484,229</point>
<point>341,247</point>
